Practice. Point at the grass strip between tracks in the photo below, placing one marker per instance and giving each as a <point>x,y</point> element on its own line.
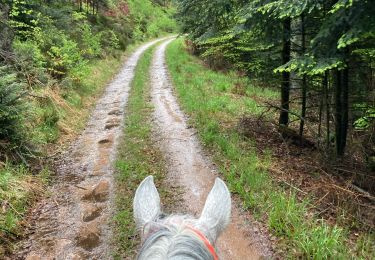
<point>138,157</point>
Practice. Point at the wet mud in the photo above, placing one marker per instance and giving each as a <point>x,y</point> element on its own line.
<point>192,170</point>
<point>73,223</point>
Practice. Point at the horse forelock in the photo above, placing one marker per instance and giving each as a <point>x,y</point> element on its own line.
<point>171,238</point>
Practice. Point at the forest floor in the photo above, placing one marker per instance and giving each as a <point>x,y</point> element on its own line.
<point>88,213</point>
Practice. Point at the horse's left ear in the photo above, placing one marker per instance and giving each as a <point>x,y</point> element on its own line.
<point>216,212</point>
<point>146,204</point>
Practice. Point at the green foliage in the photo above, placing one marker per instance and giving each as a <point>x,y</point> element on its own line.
<point>21,17</point>
<point>89,41</point>
<point>19,189</point>
<point>12,193</point>
<point>45,130</point>
<point>322,241</point>
<point>11,106</point>
<point>303,41</point>
<point>110,39</point>
<point>29,55</point>
<point>149,21</point>
<point>207,97</point>
<point>59,39</point>
<point>286,215</point>
<point>365,121</point>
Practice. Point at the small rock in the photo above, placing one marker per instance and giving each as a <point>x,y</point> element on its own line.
<point>98,193</point>
<point>115,112</point>
<point>104,141</point>
<point>111,125</point>
<point>33,256</point>
<point>76,256</point>
<point>90,212</point>
<point>61,244</point>
<point>89,236</point>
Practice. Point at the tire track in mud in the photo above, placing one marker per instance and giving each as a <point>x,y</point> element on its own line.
<point>192,169</point>
<point>73,223</point>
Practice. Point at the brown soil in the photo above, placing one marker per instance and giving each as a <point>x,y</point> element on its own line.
<point>304,171</point>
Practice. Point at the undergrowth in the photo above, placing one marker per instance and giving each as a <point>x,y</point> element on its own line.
<point>208,97</point>
<point>138,157</point>
<point>62,112</point>
<point>18,191</point>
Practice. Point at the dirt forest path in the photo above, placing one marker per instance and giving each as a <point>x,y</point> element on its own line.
<point>73,223</point>
<point>191,169</point>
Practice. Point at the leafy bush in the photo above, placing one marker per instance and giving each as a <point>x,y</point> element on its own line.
<point>29,52</point>
<point>150,21</point>
<point>109,40</point>
<point>63,56</point>
<point>30,61</point>
<point>90,43</point>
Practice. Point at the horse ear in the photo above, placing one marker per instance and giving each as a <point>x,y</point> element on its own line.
<point>217,209</point>
<point>146,204</point>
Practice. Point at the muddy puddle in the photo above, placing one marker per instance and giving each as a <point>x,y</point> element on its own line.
<point>73,223</point>
<point>192,169</point>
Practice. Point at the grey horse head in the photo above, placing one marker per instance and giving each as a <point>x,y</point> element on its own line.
<point>180,237</point>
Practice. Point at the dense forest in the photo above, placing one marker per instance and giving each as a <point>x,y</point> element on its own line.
<point>267,87</point>
<point>49,45</point>
<point>319,53</point>
<point>319,58</point>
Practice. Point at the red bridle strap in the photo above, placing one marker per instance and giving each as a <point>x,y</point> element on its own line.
<point>205,241</point>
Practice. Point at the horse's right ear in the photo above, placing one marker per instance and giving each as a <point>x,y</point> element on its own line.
<point>146,204</point>
<point>216,212</point>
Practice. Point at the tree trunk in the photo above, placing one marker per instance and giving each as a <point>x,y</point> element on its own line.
<point>303,108</point>
<point>326,100</point>
<point>342,108</point>
<point>345,109</point>
<point>285,84</point>
<point>304,80</point>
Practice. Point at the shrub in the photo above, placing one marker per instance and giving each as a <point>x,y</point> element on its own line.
<point>30,61</point>
<point>63,56</point>
<point>11,106</point>
<point>90,43</point>
<point>109,40</point>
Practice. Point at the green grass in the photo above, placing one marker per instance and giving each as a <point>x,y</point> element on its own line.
<point>211,99</point>
<point>18,191</point>
<point>137,158</point>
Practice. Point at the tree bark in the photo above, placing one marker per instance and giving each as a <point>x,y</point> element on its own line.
<point>342,108</point>
<point>304,80</point>
<point>285,84</point>
<point>327,107</point>
<point>345,109</point>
